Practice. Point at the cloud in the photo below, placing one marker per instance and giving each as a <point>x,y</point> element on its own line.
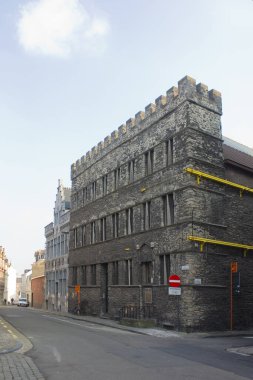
<point>60,28</point>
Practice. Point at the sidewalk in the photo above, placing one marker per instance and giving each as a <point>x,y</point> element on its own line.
<point>14,365</point>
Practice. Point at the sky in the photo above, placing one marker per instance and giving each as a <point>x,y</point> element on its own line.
<point>73,71</point>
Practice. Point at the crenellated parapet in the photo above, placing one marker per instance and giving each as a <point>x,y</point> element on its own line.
<point>187,90</point>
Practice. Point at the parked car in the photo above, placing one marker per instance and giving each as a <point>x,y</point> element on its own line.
<point>23,302</point>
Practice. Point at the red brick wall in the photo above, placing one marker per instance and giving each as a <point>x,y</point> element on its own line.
<point>38,292</point>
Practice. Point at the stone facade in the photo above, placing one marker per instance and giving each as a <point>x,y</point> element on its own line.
<point>38,280</point>
<point>134,207</point>
<point>3,271</point>
<point>57,247</point>
<point>26,285</point>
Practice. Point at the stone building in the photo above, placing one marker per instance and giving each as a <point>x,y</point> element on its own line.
<point>151,200</point>
<point>3,270</point>
<point>57,247</point>
<point>38,280</point>
<point>26,289</point>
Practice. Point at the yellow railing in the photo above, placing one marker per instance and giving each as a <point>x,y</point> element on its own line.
<point>204,241</point>
<point>200,175</point>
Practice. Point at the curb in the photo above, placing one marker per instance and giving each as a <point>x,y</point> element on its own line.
<point>17,347</point>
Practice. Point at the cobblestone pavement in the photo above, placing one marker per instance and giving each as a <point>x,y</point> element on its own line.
<point>14,364</point>
<point>18,367</point>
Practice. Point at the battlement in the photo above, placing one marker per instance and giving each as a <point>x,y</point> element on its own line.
<point>187,90</point>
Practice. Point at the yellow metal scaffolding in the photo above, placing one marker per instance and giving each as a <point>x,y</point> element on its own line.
<point>200,175</point>
<point>204,241</point>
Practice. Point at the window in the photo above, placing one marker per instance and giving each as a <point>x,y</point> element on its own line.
<point>83,235</point>
<point>104,184</point>
<point>115,273</point>
<point>128,272</point>
<point>84,195</point>
<point>164,268</point>
<point>83,275</point>
<point>115,225</point>
<point>131,169</point>
<point>79,198</point>
<point>129,221</point>
<point>93,274</point>
<point>74,275</point>
<point>93,232</point>
<point>146,215</point>
<point>168,209</point>
<point>149,162</point>
<point>103,229</point>
<point>116,178</point>
<point>75,237</point>
<point>93,190</point>
<point>147,272</point>
<point>169,152</point>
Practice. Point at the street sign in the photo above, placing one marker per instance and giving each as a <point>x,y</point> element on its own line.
<point>234,267</point>
<point>77,288</point>
<point>174,281</point>
<point>174,291</point>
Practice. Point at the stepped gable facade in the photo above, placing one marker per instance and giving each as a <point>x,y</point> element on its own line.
<point>56,255</point>
<point>142,203</point>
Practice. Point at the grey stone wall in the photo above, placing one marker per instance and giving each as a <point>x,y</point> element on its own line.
<point>188,117</point>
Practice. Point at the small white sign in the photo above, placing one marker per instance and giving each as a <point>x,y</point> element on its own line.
<point>174,291</point>
<point>185,267</point>
<point>197,281</point>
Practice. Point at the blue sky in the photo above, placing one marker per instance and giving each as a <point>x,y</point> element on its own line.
<point>72,71</point>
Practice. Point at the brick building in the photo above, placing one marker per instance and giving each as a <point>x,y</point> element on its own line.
<point>150,201</point>
<point>57,247</point>
<point>38,280</point>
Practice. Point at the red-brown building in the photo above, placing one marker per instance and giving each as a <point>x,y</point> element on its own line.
<point>38,280</point>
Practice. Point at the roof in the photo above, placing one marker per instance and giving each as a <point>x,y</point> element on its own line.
<point>237,154</point>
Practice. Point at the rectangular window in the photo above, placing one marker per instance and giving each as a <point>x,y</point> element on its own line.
<point>164,269</point>
<point>84,195</point>
<point>128,272</point>
<point>115,273</point>
<point>102,228</point>
<point>146,215</point>
<point>149,162</point>
<point>115,225</point>
<point>129,221</point>
<point>93,232</point>
<point>168,209</point>
<point>74,275</point>
<point>104,184</point>
<point>83,275</point>
<point>131,169</point>
<point>83,235</point>
<point>93,190</point>
<point>116,178</point>
<point>147,272</point>
<point>93,274</point>
<point>169,152</point>
<point>75,237</point>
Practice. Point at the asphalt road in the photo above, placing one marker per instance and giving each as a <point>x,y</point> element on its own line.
<point>64,348</point>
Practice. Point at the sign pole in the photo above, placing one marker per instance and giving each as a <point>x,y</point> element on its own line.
<point>231,298</point>
<point>233,269</point>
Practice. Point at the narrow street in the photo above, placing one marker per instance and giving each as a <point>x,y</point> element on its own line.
<point>65,348</point>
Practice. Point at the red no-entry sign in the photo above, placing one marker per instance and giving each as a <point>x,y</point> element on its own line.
<point>174,281</point>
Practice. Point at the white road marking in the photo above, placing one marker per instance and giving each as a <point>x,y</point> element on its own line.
<point>248,337</point>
